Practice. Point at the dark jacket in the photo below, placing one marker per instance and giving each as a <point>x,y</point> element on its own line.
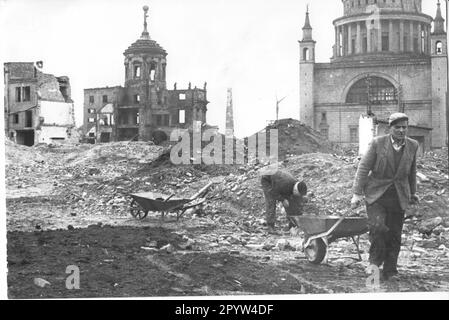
<point>376,171</point>
<point>279,184</point>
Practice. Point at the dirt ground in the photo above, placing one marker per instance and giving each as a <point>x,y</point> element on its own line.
<point>69,206</point>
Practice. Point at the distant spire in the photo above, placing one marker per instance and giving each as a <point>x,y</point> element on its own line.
<point>439,21</point>
<point>307,29</point>
<point>145,34</point>
<point>307,23</point>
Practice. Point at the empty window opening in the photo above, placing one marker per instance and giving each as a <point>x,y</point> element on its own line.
<point>354,134</point>
<point>439,47</point>
<point>182,96</point>
<point>158,119</point>
<point>105,99</point>
<point>182,116</point>
<point>323,117</point>
<point>15,118</point>
<point>136,71</point>
<point>91,99</point>
<point>152,71</point>
<point>423,44</point>
<point>306,54</point>
<point>92,134</point>
<point>137,118</point>
<point>18,94</point>
<point>29,118</point>
<point>365,44</point>
<point>26,94</point>
<point>91,120</point>
<point>90,110</point>
<point>166,120</point>
<point>136,98</point>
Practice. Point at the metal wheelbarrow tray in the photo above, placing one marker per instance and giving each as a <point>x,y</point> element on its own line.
<point>320,231</point>
<point>144,202</point>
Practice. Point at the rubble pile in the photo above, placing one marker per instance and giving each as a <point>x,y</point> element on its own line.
<point>296,138</point>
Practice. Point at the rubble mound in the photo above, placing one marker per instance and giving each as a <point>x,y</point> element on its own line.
<point>142,152</point>
<point>20,156</point>
<point>328,177</point>
<point>295,138</point>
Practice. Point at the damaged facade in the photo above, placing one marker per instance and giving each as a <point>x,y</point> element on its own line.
<point>386,58</point>
<point>38,106</point>
<point>144,109</point>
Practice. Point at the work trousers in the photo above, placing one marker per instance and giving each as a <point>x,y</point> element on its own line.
<point>294,208</point>
<point>385,222</point>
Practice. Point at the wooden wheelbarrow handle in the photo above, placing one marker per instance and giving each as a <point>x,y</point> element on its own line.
<point>204,189</point>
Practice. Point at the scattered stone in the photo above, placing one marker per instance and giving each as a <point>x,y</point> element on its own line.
<point>169,248</point>
<point>41,282</point>
<point>427,226</point>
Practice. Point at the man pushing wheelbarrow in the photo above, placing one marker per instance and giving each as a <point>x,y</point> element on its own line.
<point>386,180</point>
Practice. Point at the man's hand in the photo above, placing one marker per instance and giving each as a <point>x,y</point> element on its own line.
<point>356,200</point>
<point>414,199</point>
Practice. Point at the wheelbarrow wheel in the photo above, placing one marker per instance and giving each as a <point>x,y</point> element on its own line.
<point>316,251</point>
<point>137,211</point>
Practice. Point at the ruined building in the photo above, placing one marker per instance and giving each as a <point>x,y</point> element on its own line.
<point>386,58</point>
<point>144,109</point>
<point>38,106</point>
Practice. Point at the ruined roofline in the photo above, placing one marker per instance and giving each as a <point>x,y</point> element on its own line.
<point>101,88</point>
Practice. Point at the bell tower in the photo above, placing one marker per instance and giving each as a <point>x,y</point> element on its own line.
<point>438,41</point>
<point>306,74</point>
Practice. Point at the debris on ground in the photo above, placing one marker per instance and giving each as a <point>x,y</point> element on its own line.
<point>72,202</point>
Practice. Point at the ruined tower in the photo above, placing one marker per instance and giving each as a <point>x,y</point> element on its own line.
<point>145,79</point>
<point>439,79</point>
<point>306,73</point>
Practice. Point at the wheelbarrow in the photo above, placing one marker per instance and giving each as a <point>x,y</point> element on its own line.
<point>144,202</point>
<point>320,231</point>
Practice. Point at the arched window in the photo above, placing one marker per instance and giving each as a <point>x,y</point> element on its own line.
<point>377,90</point>
<point>152,71</point>
<point>439,47</point>
<point>306,54</point>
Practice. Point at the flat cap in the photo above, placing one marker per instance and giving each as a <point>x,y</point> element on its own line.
<point>396,117</point>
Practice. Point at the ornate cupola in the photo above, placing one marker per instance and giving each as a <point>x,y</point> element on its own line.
<point>145,59</point>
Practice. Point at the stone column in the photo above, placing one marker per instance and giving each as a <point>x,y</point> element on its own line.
<point>379,36</point>
<point>429,43</point>
<point>419,37</point>
<point>411,37</point>
<point>349,39</point>
<point>344,40</point>
<point>368,37</point>
<point>401,36</point>
<point>336,43</point>
<point>358,41</point>
<point>391,43</point>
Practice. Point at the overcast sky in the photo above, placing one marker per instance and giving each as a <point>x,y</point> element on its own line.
<point>250,46</point>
